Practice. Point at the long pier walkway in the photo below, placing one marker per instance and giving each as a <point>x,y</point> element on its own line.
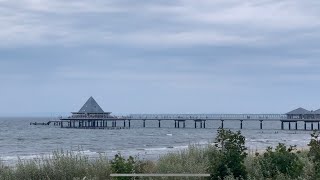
<point>179,120</point>
<point>202,118</point>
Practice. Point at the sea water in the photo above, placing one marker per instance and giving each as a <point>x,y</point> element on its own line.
<point>19,139</point>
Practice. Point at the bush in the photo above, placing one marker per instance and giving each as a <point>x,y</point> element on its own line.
<point>314,153</point>
<point>121,165</point>
<point>229,159</point>
<point>281,162</point>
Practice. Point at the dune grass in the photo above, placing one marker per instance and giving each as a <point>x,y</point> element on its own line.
<point>60,166</point>
<point>193,160</point>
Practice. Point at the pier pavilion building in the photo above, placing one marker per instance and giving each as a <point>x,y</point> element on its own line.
<point>89,116</point>
<point>301,113</point>
<point>316,114</point>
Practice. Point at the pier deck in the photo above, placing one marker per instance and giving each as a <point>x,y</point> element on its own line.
<point>200,121</point>
<point>91,116</point>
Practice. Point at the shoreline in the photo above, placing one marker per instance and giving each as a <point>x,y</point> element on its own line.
<point>196,158</point>
<point>147,153</point>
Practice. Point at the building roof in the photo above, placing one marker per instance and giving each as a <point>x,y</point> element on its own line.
<point>91,106</point>
<point>316,111</point>
<point>299,111</point>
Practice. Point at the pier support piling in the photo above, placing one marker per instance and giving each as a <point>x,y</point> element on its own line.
<point>204,124</point>
<point>289,125</point>
<point>312,126</point>
<point>282,125</point>
<point>159,123</point>
<point>241,124</point>
<point>305,126</point>
<point>144,123</point>
<point>296,125</point>
<point>222,124</point>
<point>261,124</point>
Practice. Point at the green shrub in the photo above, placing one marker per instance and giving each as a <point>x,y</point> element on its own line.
<point>308,165</point>
<point>314,153</point>
<point>253,168</point>
<point>120,165</point>
<point>229,160</point>
<point>281,161</point>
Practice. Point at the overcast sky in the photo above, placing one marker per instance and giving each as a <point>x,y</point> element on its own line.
<point>151,56</point>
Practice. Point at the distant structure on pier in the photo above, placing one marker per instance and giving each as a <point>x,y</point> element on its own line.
<point>91,109</point>
<point>90,115</point>
<point>302,113</point>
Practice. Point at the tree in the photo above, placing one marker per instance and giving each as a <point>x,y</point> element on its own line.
<point>229,160</point>
<point>122,165</point>
<point>281,161</point>
<point>314,153</point>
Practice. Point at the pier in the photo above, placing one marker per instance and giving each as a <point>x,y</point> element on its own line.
<point>91,116</point>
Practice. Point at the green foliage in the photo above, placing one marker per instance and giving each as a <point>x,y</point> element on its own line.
<point>60,166</point>
<point>229,159</point>
<point>121,165</point>
<point>194,159</point>
<point>314,153</point>
<point>308,165</point>
<point>226,160</point>
<point>281,161</point>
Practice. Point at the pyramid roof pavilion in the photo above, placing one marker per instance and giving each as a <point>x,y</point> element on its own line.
<point>91,107</point>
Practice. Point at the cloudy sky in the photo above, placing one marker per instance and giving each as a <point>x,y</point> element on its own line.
<point>151,56</point>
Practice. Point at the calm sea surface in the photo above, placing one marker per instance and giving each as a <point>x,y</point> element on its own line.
<point>19,139</point>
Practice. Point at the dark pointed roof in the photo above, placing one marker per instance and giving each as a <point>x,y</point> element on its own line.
<point>299,111</point>
<point>316,111</point>
<point>91,106</point>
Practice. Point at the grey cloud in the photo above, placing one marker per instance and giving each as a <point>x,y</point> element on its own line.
<point>154,24</point>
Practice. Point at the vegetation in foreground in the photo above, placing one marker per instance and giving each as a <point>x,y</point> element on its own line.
<point>226,159</point>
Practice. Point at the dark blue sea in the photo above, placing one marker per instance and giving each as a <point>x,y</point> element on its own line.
<point>19,139</point>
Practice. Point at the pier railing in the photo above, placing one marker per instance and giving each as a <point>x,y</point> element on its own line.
<point>180,121</point>
<point>207,116</point>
